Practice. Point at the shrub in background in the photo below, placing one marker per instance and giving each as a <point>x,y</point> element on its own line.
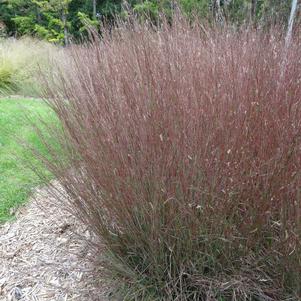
<point>185,151</point>
<point>20,61</point>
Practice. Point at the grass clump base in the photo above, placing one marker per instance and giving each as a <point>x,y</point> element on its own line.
<point>184,143</point>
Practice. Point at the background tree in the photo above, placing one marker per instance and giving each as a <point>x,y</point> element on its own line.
<point>94,9</point>
<point>55,14</point>
<point>59,20</point>
<point>291,21</point>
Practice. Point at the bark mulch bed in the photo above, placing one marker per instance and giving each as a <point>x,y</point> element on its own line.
<point>43,255</point>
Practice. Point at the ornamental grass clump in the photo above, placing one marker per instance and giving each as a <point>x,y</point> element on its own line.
<point>20,61</point>
<point>184,156</point>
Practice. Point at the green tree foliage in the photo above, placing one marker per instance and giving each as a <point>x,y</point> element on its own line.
<point>87,23</point>
<point>55,14</point>
<point>59,20</point>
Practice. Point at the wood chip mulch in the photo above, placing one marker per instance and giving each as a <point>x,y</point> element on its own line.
<point>43,256</point>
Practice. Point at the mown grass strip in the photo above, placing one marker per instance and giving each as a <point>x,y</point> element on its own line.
<point>17,180</point>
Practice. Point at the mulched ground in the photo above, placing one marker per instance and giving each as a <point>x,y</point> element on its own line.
<point>43,256</point>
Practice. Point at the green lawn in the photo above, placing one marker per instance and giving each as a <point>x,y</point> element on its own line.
<point>16,179</point>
